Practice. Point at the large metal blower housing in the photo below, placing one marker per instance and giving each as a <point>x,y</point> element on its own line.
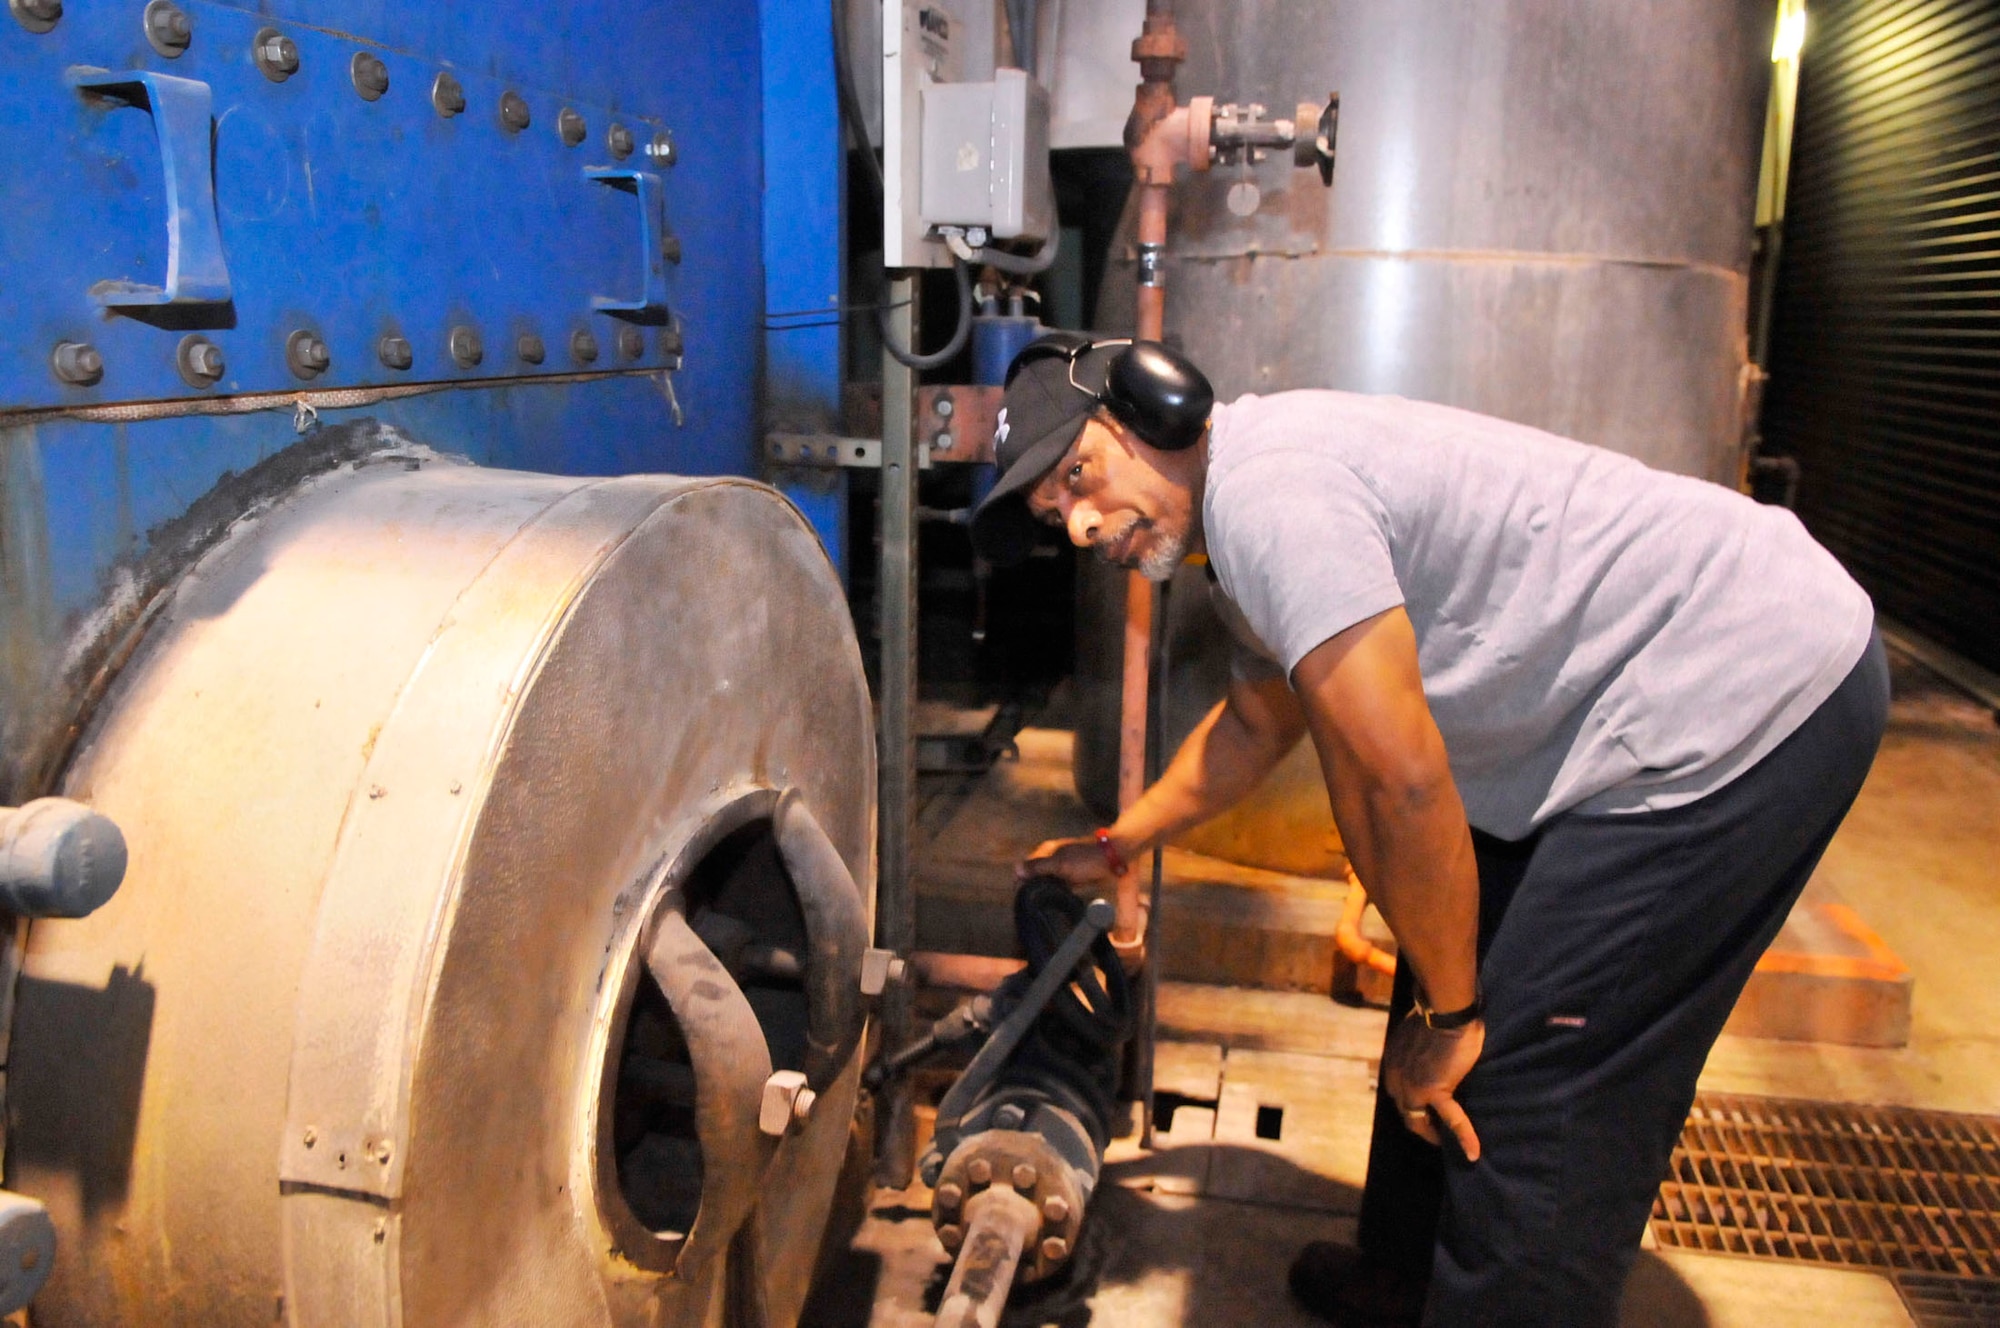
<point>440,784</point>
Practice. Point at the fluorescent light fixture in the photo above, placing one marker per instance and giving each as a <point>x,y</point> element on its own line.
<point>1791,36</point>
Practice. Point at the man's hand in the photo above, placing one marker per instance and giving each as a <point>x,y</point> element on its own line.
<point>1078,861</point>
<point>1422,1067</point>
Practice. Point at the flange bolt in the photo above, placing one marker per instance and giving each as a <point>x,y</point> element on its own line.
<point>371,76</point>
<point>307,354</point>
<point>1055,1249</point>
<point>951,1237</point>
<point>620,141</point>
<point>447,95</point>
<point>466,348</point>
<point>514,112</point>
<point>37,15</point>
<point>530,348</point>
<point>168,28</point>
<point>77,363</point>
<point>1055,1210</point>
<point>277,55</point>
<point>395,352</point>
<point>979,1171</point>
<point>583,347</point>
<point>570,127</point>
<point>949,1197</point>
<point>199,360</point>
<point>631,342</point>
<point>1025,1176</point>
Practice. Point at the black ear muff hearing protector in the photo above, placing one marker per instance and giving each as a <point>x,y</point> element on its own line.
<point>1152,390</point>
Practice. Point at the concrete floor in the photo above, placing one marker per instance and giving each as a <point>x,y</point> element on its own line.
<point>1200,1230</point>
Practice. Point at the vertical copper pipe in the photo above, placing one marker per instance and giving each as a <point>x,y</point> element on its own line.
<point>1159,51</point>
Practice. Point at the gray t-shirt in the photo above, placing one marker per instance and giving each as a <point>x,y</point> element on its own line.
<point>1592,634</point>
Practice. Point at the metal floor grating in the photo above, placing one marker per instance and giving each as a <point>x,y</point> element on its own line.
<point>1938,1301</point>
<point>1914,1193</point>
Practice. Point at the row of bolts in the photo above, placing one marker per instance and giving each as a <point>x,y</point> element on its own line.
<point>201,364</point>
<point>199,360</point>
<point>170,31</point>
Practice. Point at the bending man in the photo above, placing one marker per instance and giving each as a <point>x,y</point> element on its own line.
<point>1586,728</point>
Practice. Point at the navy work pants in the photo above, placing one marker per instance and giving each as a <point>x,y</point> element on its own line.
<point>1612,951</point>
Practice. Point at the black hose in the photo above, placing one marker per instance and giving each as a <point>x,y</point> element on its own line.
<point>850,98</point>
<point>1021,265</point>
<point>960,335</point>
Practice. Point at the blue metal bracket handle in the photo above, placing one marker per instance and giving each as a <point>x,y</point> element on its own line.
<point>181,109</point>
<point>645,185</point>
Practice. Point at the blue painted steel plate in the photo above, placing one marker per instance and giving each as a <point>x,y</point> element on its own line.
<point>355,219</point>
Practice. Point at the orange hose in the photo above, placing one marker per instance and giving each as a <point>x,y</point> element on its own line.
<point>1353,946</point>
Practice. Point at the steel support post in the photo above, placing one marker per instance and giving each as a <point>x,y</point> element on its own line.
<point>896,691</point>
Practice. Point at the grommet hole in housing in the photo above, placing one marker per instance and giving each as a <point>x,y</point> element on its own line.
<point>741,904</point>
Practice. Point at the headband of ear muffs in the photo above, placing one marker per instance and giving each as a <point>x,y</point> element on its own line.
<point>1151,389</point>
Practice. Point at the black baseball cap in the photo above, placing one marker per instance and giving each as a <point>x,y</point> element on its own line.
<point>1041,413</point>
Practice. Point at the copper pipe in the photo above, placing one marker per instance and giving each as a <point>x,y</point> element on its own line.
<point>961,972</point>
<point>1347,938</point>
<point>1159,51</point>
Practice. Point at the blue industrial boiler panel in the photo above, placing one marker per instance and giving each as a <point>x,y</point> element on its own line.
<point>533,234</point>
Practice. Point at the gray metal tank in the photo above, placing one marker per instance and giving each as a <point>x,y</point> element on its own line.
<point>1542,210</point>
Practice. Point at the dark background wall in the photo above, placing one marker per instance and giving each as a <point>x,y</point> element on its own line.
<point>1885,351</point>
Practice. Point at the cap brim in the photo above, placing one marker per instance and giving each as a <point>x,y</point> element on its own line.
<point>1003,529</point>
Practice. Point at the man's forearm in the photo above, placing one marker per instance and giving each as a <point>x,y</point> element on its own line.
<point>1233,748</point>
<point>1412,851</point>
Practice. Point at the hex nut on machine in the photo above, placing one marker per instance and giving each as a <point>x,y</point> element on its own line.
<point>370,75</point>
<point>36,15</point>
<point>619,142</point>
<point>395,352</point>
<point>306,354</point>
<point>530,349</point>
<point>447,94</point>
<point>276,54</point>
<point>514,115</point>
<point>168,28</point>
<point>571,128</point>
<point>466,348</point>
<point>631,342</point>
<point>77,363</point>
<point>199,361</point>
<point>583,347</point>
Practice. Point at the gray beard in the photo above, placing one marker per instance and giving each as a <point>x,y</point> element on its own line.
<point>1165,558</point>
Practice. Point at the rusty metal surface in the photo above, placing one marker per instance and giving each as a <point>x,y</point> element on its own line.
<point>400,763</point>
<point>956,420</point>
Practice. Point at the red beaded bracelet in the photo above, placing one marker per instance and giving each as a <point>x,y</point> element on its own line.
<point>1112,857</point>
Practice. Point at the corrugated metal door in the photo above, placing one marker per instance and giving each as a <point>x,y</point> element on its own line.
<point>1885,353</point>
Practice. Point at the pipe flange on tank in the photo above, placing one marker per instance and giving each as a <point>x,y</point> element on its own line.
<point>1027,1163</point>
<point>399,762</point>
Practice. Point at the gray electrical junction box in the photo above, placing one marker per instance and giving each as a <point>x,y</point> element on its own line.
<point>985,159</point>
